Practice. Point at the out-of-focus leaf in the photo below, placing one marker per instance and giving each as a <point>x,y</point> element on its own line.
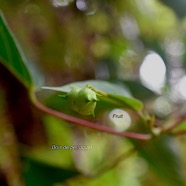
<point>184,57</point>
<point>37,173</point>
<point>177,6</point>
<point>11,55</point>
<point>181,126</point>
<point>58,133</point>
<point>163,157</point>
<point>138,90</point>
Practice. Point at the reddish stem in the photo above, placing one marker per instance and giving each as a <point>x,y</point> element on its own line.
<point>88,123</point>
<point>175,124</point>
<point>178,133</point>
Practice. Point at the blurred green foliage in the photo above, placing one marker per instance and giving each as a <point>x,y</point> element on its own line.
<point>60,33</point>
<point>71,40</point>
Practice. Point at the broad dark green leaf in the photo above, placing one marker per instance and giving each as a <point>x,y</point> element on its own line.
<point>11,55</point>
<point>163,157</point>
<point>38,173</point>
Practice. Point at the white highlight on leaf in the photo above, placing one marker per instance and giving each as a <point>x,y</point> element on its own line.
<point>152,72</point>
<point>61,3</point>
<point>82,5</point>
<point>182,87</point>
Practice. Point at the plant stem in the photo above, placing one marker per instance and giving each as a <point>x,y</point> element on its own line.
<point>179,133</point>
<point>85,123</point>
<point>175,123</point>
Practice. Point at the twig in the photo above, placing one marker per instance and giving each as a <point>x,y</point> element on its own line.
<point>85,123</point>
<point>179,133</point>
<point>174,124</point>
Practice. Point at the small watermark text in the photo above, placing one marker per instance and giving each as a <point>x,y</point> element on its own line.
<point>71,147</point>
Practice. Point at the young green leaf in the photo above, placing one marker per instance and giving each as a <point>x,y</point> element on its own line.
<point>106,92</point>
<point>104,86</point>
<point>132,103</point>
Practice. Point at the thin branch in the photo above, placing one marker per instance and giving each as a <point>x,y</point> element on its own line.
<point>174,124</point>
<point>179,133</point>
<point>85,123</point>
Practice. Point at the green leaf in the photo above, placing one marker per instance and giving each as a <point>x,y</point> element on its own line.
<point>138,90</point>
<point>163,157</point>
<point>116,95</point>
<point>181,126</point>
<point>37,173</point>
<point>58,133</point>
<point>132,103</point>
<point>11,55</point>
<point>104,86</point>
<point>177,6</point>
